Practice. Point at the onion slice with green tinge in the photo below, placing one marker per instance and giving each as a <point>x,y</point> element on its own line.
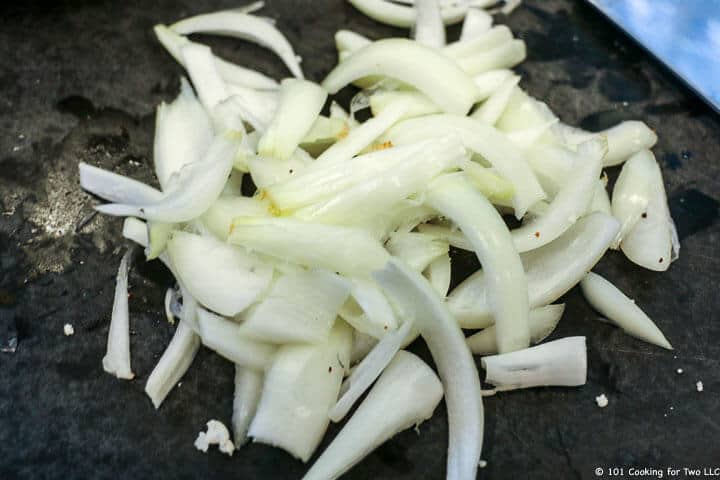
<point>605,297</point>
<point>417,300</point>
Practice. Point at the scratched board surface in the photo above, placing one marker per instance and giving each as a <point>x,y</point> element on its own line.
<point>80,81</point>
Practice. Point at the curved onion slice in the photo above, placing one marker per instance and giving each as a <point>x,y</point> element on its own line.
<point>495,36</point>
<point>551,270</point>
<point>561,363</point>
<point>605,297</point>
<point>403,16</point>
<point>369,369</point>
<point>183,133</point>
<point>197,186</point>
<point>229,71</point>
<point>439,274</point>
<point>300,105</point>
<point>542,320</point>
<point>350,41</point>
<point>417,300</point>
<point>248,387</point>
<point>200,65</point>
<point>218,218</point>
<point>117,359</point>
<point>631,193</point>
<point>429,28</point>
<point>368,311</point>
<point>476,22</point>
<point>424,68</point>
<point>507,159</point>
<point>301,386</point>
<point>416,249</point>
<point>246,27</point>
<point>570,203</point>
<point>348,250</point>
<point>115,187</point>
<point>454,237</point>
<point>491,110</point>
<point>504,55</point>
<point>455,198</point>
<point>174,362</point>
<point>226,339</point>
<point>488,82</point>
<point>624,139</point>
<point>299,307</point>
<point>220,276</point>
<point>652,242</point>
<point>406,394</point>
<point>601,200</point>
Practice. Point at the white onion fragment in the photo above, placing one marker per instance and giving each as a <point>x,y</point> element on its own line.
<point>605,297</point>
<point>248,387</point>
<point>406,394</point>
<point>560,363</point>
<point>115,187</point>
<point>117,359</point>
<point>417,301</point>
<point>405,16</point>
<point>429,26</point>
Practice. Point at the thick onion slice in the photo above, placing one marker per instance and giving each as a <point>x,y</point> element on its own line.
<point>115,187</point>
<point>439,274</point>
<point>183,133</point>
<point>299,307</point>
<point>248,387</point>
<point>607,299</point>
<point>218,218</point>
<point>404,16</point>
<point>174,362</point>
<point>406,394</point>
<point>504,55</point>
<point>347,250</point>
<point>476,22</point>
<point>570,203</point>
<point>491,110</point>
<point>301,386</point>
<point>220,276</point>
<point>424,68</point>
<point>560,363</point>
<point>551,270</point>
<point>300,105</point>
<point>417,301</point>
<point>368,370</point>
<point>200,65</point>
<point>226,339</point>
<point>455,198</point>
<point>247,27</point>
<point>429,27</point>
<point>230,72</point>
<point>197,186</point>
<point>368,310</point>
<point>416,249</point>
<point>117,359</point>
<point>542,320</point>
<point>485,140</point>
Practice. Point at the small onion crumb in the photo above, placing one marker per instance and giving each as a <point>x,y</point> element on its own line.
<point>217,434</point>
<point>679,371</point>
<point>699,386</point>
<point>601,400</point>
<point>482,463</point>
<point>68,330</point>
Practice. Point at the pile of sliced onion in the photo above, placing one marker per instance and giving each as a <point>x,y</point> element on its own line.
<point>314,285</point>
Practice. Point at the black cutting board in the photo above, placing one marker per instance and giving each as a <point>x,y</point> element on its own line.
<point>80,81</point>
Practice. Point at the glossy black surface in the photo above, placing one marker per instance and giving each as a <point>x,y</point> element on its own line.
<point>79,80</point>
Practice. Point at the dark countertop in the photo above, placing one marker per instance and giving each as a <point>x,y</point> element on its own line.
<point>80,81</point>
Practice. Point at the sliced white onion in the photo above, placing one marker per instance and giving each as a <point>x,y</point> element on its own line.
<point>624,139</point>
<point>607,299</point>
<point>368,310</point>
<point>174,362</point>
<point>551,270</point>
<point>498,35</point>
<point>530,136</point>
<point>200,65</point>
<point>135,230</point>
<point>417,300</point>
<point>259,106</point>
<point>300,105</point>
<point>362,344</point>
<point>230,72</point>
<point>220,276</point>
<point>169,295</point>
<point>489,82</point>
<point>504,55</point>
<point>651,243</point>
<point>299,307</point>
<point>476,22</point>
<point>453,196</point>
<point>494,187</point>
<point>454,237</point>
<point>183,133</point>
<point>560,363</point>
<point>439,274</point>
<point>570,203</point>
<point>551,164</point>
<point>197,186</point>
<point>248,387</point>
<point>523,112</point>
<point>226,339</point>
<point>350,41</point>
<point>247,27</point>
<point>417,104</point>
<point>117,359</point>
<point>542,320</point>
<point>403,16</point>
<point>267,171</point>
<point>115,187</point>
<point>406,394</point>
<point>416,249</point>
<point>369,369</point>
<point>429,28</point>
<point>301,386</point>
<point>218,218</point>
<point>424,68</point>
<point>348,250</point>
<point>632,191</point>
<point>491,110</point>
<point>601,200</point>
<point>507,159</point>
